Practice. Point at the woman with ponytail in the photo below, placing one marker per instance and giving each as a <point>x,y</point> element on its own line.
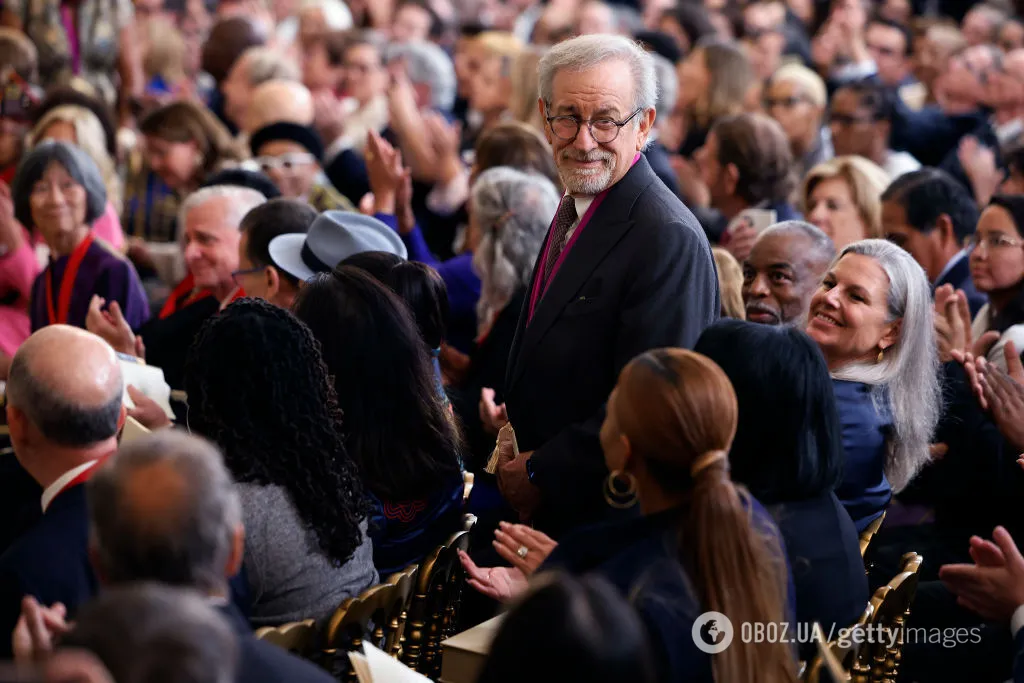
<point>701,544</point>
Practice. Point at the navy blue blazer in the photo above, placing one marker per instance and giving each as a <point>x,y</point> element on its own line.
<point>262,662</point>
<point>641,558</point>
<point>864,491</point>
<point>824,556</point>
<point>50,562</point>
<point>960,277</point>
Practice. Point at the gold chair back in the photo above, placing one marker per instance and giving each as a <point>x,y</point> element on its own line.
<point>869,533</point>
<point>879,662</point>
<point>298,637</point>
<point>375,616</point>
<point>434,611</point>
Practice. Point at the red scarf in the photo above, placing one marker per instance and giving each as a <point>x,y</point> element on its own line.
<point>186,294</point>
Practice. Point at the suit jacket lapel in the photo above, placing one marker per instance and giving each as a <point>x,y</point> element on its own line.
<point>606,227</point>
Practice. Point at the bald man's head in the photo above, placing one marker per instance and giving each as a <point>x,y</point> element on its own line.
<point>279,101</point>
<point>67,383</point>
<point>165,509</point>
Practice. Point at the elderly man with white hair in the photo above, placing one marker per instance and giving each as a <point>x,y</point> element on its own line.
<point>625,268</point>
<point>210,219</point>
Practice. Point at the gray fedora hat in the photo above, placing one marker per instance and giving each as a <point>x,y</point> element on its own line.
<point>332,238</point>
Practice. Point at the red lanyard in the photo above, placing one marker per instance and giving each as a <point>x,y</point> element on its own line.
<point>67,283</point>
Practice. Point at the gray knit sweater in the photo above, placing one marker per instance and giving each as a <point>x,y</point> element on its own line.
<point>290,578</point>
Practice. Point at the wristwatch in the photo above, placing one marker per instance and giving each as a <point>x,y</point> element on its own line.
<point>529,471</point>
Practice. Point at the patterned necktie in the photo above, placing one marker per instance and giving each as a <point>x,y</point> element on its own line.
<point>564,219</point>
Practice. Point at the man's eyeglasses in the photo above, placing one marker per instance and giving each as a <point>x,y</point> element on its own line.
<point>235,275</point>
<point>603,130</point>
<point>992,242</point>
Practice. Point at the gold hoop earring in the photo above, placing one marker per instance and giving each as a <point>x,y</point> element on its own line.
<point>881,355</point>
<point>614,495</point>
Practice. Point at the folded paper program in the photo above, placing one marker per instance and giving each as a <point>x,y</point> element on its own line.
<point>150,381</point>
<point>377,667</point>
<point>506,448</point>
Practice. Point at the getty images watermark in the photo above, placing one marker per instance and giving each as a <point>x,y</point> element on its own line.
<point>713,633</point>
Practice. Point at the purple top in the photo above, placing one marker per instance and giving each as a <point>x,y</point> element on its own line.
<point>103,271</point>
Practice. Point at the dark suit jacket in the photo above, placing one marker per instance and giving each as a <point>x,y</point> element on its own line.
<point>262,662</point>
<point>960,277</point>
<point>19,500</point>
<point>828,572</point>
<point>50,562</point>
<point>640,276</point>
<point>1018,657</point>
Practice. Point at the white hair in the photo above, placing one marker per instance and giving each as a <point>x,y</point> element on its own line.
<point>907,379</point>
<point>512,210</point>
<point>267,64</point>
<point>336,13</point>
<point>668,86</point>
<point>587,52</point>
<point>428,64</point>
<point>243,200</point>
<point>822,246</point>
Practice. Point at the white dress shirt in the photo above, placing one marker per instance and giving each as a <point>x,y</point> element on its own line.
<point>56,487</point>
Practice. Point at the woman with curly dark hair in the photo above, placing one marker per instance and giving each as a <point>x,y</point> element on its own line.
<point>258,388</point>
<point>397,428</point>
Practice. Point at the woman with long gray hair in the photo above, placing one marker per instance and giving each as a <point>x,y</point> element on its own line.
<point>872,318</point>
<point>509,213</point>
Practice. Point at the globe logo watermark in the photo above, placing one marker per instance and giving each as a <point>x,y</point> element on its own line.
<point>712,632</point>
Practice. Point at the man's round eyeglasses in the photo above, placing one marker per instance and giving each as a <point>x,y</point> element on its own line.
<point>603,130</point>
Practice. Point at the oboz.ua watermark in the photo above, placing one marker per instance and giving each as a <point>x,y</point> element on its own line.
<point>713,632</point>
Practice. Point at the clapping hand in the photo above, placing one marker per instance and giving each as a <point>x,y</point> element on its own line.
<point>37,629</point>
<point>113,328</point>
<point>1002,393</point>
<point>994,585</point>
<point>386,173</point>
<point>445,140</point>
<point>979,163</point>
<point>739,240</point>
<point>328,116</point>
<point>953,326</point>
<point>493,416</point>
<point>525,548</point>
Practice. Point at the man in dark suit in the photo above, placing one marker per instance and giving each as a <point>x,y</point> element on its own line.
<point>625,268</point>
<point>63,409</point>
<point>931,216</point>
<point>166,510</point>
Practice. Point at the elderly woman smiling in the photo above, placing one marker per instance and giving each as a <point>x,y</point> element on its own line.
<point>58,190</point>
<point>872,319</point>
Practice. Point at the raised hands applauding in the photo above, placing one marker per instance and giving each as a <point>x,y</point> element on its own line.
<point>525,548</point>
<point>953,326</point>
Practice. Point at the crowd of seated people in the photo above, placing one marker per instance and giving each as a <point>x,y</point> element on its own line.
<point>683,302</point>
